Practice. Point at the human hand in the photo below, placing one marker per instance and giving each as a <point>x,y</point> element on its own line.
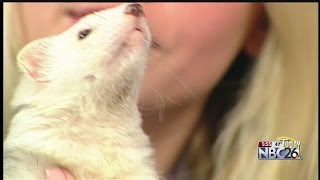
<point>58,174</point>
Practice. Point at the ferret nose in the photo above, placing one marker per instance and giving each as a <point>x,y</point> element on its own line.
<point>134,9</point>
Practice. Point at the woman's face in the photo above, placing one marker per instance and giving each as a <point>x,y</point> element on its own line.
<point>198,42</point>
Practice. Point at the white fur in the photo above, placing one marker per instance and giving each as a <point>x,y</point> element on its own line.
<point>84,116</point>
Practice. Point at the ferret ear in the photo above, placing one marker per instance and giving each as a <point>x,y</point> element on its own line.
<point>33,60</point>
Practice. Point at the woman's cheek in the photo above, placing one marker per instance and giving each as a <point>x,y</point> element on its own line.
<point>42,19</point>
<point>203,39</point>
<point>211,43</point>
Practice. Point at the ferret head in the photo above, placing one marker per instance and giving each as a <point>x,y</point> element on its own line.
<point>104,52</point>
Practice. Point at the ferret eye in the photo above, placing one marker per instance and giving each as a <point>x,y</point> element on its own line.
<point>84,33</point>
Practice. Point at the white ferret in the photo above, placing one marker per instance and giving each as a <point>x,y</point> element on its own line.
<point>77,101</point>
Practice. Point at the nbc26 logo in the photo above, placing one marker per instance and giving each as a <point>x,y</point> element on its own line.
<point>284,148</point>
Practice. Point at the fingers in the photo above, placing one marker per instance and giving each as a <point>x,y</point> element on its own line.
<point>58,174</point>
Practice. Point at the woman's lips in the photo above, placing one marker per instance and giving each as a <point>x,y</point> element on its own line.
<point>76,14</point>
<point>79,10</point>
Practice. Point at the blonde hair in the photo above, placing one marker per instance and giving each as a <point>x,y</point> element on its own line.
<point>280,99</point>
<point>11,46</point>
